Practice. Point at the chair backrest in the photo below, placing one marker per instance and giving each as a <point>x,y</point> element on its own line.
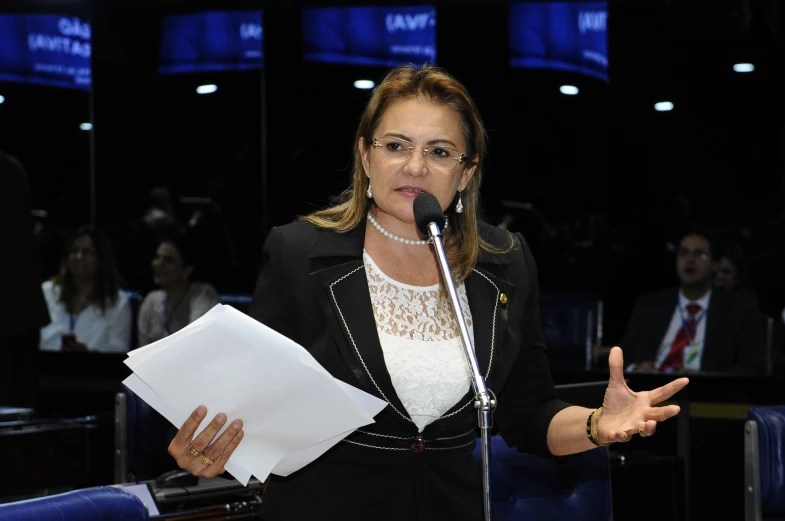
<point>239,302</point>
<point>135,298</point>
<point>572,325</point>
<point>89,504</point>
<point>142,438</point>
<point>768,365</point>
<point>530,487</point>
<point>764,458</point>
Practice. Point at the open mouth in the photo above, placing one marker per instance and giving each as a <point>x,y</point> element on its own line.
<point>411,190</point>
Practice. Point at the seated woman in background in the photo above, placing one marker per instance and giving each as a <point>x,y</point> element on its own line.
<point>179,301</point>
<point>89,311</point>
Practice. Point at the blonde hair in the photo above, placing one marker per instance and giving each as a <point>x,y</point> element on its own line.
<point>430,84</point>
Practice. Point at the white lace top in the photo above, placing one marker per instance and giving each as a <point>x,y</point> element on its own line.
<point>421,343</point>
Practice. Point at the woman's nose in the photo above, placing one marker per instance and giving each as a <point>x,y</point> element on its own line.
<point>416,163</point>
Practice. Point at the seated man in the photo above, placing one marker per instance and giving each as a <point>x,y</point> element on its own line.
<point>695,327</point>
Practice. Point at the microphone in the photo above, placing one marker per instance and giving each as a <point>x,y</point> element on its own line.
<point>429,216</point>
<point>426,211</point>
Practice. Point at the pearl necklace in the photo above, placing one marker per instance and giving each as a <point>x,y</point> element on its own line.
<point>412,242</point>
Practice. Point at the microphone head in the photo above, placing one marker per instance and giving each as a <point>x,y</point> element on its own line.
<point>427,210</point>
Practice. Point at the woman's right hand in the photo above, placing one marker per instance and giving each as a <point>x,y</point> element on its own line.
<point>202,456</point>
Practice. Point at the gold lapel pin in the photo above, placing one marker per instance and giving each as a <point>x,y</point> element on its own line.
<point>503,298</point>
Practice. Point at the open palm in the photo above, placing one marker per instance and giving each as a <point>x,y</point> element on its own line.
<point>626,412</point>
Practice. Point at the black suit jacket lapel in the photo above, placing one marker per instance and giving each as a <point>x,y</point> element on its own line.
<point>346,303</point>
<point>489,316</point>
<point>342,287</point>
<point>484,290</point>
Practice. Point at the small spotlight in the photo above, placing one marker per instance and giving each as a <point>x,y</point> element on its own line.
<point>663,106</point>
<point>206,89</point>
<point>2,99</point>
<point>569,90</point>
<point>364,84</point>
<point>86,126</point>
<point>743,67</point>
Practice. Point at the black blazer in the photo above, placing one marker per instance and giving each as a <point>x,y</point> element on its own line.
<point>735,332</point>
<point>313,289</point>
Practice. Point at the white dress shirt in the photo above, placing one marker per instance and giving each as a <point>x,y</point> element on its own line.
<point>108,332</point>
<point>693,352</point>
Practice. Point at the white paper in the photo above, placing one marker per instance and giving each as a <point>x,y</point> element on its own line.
<point>292,409</point>
<point>294,461</point>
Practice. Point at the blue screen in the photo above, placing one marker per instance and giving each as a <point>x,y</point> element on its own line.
<point>560,35</point>
<point>211,41</point>
<point>47,49</point>
<point>381,36</point>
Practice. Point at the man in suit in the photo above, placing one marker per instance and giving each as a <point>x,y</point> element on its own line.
<point>23,311</point>
<point>695,327</point>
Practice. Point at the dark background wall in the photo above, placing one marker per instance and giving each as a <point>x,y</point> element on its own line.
<point>609,181</point>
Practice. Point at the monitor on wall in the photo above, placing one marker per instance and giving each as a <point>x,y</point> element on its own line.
<point>374,36</point>
<point>568,36</point>
<point>211,41</point>
<point>45,49</point>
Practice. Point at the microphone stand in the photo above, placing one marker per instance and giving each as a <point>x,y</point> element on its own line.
<point>482,399</point>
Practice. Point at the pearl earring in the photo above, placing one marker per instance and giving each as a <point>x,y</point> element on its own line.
<point>459,206</point>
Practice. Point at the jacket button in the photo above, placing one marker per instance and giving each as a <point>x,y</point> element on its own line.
<point>503,298</point>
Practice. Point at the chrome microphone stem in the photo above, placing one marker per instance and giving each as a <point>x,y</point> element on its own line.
<point>482,401</point>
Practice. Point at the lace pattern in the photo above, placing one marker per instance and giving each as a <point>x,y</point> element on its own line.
<point>413,312</point>
<point>421,344</point>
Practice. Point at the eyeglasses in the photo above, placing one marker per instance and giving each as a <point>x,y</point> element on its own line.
<point>701,254</point>
<point>438,157</point>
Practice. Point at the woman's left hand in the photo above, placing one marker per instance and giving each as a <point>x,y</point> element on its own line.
<point>625,412</point>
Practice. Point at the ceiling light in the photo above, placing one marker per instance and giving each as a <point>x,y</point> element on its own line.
<point>206,89</point>
<point>86,126</point>
<point>743,67</point>
<point>569,90</point>
<point>2,99</point>
<point>663,106</point>
<point>364,84</point>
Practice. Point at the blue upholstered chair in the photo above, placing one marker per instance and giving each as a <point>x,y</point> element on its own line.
<point>142,438</point>
<point>89,504</point>
<point>239,302</point>
<point>764,464</point>
<point>572,325</point>
<point>529,487</point>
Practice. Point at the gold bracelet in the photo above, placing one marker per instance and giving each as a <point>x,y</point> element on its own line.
<point>591,429</point>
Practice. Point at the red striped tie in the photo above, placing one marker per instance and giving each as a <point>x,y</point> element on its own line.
<point>675,358</point>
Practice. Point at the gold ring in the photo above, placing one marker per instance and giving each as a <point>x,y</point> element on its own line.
<point>193,451</point>
<point>206,460</point>
<point>640,432</point>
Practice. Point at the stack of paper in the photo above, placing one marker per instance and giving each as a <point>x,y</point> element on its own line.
<point>292,409</point>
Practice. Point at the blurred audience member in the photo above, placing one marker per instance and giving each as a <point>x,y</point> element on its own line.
<point>180,301</point>
<point>143,235</point>
<point>89,311</point>
<point>733,269</point>
<point>160,215</point>
<point>23,312</point>
<point>694,327</point>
